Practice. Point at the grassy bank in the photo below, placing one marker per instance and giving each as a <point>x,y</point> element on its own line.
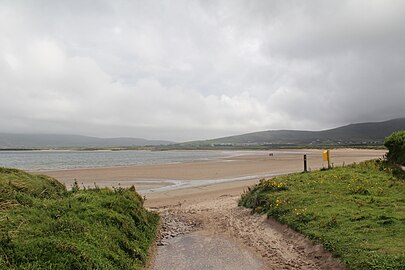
<point>357,212</point>
<point>44,226</point>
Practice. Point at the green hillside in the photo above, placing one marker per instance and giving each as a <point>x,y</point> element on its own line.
<point>44,226</point>
<point>57,141</point>
<point>354,134</point>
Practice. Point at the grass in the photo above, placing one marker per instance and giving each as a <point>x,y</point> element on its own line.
<point>357,212</point>
<point>44,226</point>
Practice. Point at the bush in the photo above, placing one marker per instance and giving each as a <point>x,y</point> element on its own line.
<point>396,147</point>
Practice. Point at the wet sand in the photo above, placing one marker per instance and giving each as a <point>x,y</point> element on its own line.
<point>242,167</point>
<point>193,251</point>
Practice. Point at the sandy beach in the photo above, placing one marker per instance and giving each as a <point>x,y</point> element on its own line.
<point>242,166</point>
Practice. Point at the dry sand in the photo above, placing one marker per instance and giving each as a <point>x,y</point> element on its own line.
<point>251,165</point>
<point>213,206</point>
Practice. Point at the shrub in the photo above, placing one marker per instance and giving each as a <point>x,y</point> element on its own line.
<point>396,147</point>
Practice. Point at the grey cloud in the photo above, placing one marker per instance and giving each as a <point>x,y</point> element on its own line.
<point>185,70</point>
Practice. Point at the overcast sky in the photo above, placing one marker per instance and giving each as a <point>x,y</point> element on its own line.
<point>184,70</point>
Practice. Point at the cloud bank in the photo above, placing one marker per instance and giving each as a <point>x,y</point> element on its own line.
<point>184,70</point>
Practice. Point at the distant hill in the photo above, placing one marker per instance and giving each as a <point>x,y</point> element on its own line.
<point>46,141</point>
<point>373,133</point>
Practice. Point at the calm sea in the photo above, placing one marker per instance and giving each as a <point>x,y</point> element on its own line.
<point>56,160</point>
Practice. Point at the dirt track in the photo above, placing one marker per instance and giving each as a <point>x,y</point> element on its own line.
<point>275,245</point>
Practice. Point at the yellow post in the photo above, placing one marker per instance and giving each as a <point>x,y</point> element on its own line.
<point>325,155</point>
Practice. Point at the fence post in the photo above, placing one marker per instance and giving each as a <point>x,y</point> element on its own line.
<point>329,159</point>
<point>305,163</point>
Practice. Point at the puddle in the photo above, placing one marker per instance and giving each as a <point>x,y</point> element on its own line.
<point>198,252</point>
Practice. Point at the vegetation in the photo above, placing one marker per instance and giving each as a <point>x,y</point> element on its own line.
<point>357,212</point>
<point>44,226</point>
<point>396,147</point>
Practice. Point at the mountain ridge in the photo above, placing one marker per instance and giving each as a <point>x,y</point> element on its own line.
<point>60,141</point>
<point>368,133</point>
<point>359,133</point>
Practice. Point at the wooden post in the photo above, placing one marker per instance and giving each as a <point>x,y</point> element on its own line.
<point>305,163</point>
<point>329,159</point>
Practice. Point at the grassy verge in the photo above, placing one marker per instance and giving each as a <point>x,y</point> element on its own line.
<point>44,226</point>
<point>357,212</point>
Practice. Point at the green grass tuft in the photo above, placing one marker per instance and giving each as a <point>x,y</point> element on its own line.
<point>357,212</point>
<point>44,226</point>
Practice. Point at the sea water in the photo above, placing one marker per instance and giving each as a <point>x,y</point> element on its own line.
<point>67,159</point>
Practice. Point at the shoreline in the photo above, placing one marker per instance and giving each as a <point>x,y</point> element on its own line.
<point>154,178</point>
<point>222,155</point>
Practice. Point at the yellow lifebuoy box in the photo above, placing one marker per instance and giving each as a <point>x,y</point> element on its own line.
<point>325,155</point>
